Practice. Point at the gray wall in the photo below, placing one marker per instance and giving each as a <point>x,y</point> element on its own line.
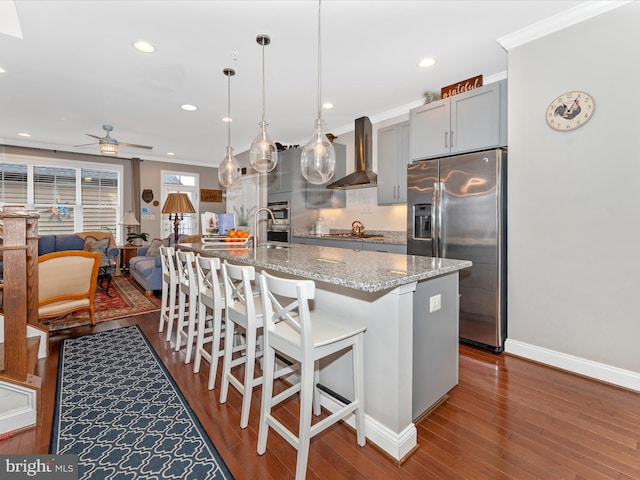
<point>574,225</point>
<point>150,179</point>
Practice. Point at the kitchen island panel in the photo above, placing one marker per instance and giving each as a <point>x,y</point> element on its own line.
<point>379,291</point>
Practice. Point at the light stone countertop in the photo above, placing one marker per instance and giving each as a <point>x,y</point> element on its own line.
<point>360,270</point>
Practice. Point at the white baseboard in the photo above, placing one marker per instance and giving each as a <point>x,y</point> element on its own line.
<point>18,407</point>
<point>397,445</point>
<point>600,371</point>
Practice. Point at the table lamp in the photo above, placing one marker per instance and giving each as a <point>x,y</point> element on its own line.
<point>129,221</point>
<point>177,204</point>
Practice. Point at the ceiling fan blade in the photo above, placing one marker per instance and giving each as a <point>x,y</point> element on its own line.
<point>93,136</point>
<point>85,144</point>
<point>134,145</point>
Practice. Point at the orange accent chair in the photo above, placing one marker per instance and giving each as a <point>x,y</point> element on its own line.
<point>67,282</point>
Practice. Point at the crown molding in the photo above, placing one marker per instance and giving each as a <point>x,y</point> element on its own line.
<point>558,22</point>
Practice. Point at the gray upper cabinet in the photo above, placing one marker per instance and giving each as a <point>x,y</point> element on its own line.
<point>318,196</point>
<point>393,158</point>
<point>279,180</point>
<point>466,122</point>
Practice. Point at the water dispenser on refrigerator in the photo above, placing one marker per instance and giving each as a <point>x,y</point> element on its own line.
<point>422,220</point>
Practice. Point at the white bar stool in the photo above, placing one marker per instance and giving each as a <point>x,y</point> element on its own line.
<point>187,302</point>
<point>242,311</point>
<point>290,330</point>
<point>169,310</point>
<point>209,300</point>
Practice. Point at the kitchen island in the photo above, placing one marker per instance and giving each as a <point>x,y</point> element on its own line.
<point>409,305</point>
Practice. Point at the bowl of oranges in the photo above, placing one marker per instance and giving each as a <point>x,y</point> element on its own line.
<point>236,235</point>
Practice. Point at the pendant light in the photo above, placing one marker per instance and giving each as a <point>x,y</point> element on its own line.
<point>318,157</point>
<point>263,152</point>
<point>229,169</point>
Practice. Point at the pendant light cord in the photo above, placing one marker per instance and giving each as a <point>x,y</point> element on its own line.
<point>263,86</point>
<point>229,109</point>
<point>319,66</point>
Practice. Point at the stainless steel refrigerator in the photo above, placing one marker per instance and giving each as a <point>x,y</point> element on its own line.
<point>456,208</point>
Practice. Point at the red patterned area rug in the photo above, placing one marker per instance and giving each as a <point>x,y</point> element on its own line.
<point>127,299</point>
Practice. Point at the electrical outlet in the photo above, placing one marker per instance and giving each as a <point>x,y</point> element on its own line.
<point>435,303</point>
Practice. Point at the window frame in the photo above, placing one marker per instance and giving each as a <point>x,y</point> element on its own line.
<point>36,161</point>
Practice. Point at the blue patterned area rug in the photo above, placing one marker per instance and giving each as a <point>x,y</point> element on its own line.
<point>120,411</point>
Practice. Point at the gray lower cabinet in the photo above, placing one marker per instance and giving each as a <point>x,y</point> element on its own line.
<point>352,244</point>
<point>385,247</point>
<point>349,244</point>
<point>469,121</point>
<point>305,240</point>
<point>393,158</point>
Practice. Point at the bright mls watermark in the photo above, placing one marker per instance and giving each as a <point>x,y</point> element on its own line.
<point>51,467</point>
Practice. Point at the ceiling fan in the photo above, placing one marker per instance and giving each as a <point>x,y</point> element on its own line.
<point>109,145</point>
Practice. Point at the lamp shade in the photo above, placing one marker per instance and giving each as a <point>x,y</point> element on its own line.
<point>178,203</point>
<point>130,219</point>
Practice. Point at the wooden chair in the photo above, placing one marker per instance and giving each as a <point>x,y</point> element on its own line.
<point>67,282</point>
<point>290,330</point>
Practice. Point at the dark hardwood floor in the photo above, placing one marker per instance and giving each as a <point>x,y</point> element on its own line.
<point>507,418</point>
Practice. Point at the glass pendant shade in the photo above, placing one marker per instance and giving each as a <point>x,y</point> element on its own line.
<point>263,153</point>
<point>229,169</point>
<point>318,157</point>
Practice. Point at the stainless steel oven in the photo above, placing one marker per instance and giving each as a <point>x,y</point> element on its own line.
<point>278,227</point>
<point>280,213</point>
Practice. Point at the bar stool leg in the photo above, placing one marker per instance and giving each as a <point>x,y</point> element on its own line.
<point>307,374</point>
<point>358,387</point>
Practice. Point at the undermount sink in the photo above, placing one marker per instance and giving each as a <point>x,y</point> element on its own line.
<point>275,246</point>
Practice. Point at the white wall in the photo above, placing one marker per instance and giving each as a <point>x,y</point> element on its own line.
<point>574,225</point>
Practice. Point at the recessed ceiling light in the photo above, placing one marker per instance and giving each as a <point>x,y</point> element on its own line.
<point>327,105</point>
<point>171,154</point>
<point>188,107</point>
<point>2,70</point>
<point>227,119</point>
<point>144,47</point>
<point>427,62</point>
<point>24,134</point>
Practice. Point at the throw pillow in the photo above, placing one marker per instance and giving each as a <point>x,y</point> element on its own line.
<point>154,248</point>
<point>93,245</point>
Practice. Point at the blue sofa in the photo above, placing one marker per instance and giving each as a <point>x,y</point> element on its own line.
<point>147,269</point>
<point>59,243</point>
<point>62,242</point>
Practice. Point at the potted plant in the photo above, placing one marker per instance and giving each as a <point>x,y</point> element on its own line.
<point>137,238</point>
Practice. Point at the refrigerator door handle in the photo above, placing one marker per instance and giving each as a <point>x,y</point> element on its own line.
<point>446,133</point>
<point>442,242</point>
<point>435,220</point>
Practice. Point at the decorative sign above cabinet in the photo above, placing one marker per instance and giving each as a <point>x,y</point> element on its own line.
<point>461,87</point>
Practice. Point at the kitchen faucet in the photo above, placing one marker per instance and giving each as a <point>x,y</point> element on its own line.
<point>255,223</point>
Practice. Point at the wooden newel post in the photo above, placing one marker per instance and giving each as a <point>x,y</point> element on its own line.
<point>17,225</point>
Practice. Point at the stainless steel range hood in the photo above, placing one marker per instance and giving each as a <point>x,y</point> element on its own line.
<point>364,176</point>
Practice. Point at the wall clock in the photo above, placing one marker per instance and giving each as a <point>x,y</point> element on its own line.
<point>570,111</point>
